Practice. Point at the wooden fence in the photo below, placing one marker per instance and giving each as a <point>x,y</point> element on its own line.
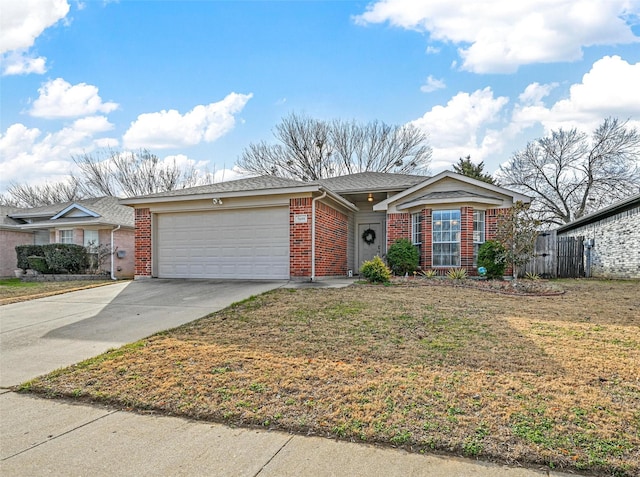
<point>556,257</point>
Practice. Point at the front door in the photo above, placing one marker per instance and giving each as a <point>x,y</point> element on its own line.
<point>369,242</point>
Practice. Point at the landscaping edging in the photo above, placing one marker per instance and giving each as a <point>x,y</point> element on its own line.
<point>61,278</point>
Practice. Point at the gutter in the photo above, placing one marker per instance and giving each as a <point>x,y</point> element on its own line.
<point>313,233</point>
<point>113,277</point>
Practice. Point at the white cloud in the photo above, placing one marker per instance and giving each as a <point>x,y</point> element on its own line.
<point>59,99</point>
<point>432,50</point>
<point>498,36</point>
<point>28,155</point>
<point>20,63</point>
<point>432,84</point>
<point>21,23</point>
<point>166,129</point>
<point>460,128</point>
<point>610,88</point>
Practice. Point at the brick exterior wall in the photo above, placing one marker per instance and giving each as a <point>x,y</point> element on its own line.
<point>300,239</point>
<point>616,249</point>
<point>491,218</point>
<point>8,257</point>
<point>143,243</point>
<point>398,226</point>
<point>466,239</point>
<point>331,241</point>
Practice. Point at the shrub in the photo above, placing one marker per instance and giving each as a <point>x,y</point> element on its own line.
<point>375,271</point>
<point>39,264</point>
<point>65,257</point>
<point>491,256</point>
<point>431,273</point>
<point>403,257</point>
<point>23,252</point>
<point>457,273</point>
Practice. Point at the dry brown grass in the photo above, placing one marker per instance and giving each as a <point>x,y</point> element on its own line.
<point>536,380</point>
<point>14,291</point>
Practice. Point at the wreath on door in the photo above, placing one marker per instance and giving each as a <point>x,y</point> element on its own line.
<point>369,236</point>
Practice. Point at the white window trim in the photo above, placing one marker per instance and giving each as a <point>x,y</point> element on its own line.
<point>60,231</point>
<point>416,218</point>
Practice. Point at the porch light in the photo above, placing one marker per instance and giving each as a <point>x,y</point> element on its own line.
<point>370,197</point>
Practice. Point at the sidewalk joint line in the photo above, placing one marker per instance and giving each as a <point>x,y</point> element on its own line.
<point>273,457</point>
<point>59,435</point>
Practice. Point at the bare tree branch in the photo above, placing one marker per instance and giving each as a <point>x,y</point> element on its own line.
<point>309,149</point>
<point>568,171</point>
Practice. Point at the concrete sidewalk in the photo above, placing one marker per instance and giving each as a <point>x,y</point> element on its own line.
<point>47,437</point>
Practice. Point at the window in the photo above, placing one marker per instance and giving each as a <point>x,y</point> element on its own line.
<point>446,238</point>
<point>65,236</point>
<point>91,238</point>
<point>478,233</point>
<point>416,228</point>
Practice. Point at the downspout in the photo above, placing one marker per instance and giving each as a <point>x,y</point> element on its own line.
<point>313,234</point>
<point>113,277</point>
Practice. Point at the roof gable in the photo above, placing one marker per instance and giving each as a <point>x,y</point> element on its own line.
<point>450,187</point>
<point>74,210</point>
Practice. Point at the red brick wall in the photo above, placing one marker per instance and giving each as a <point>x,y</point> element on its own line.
<point>427,235</point>
<point>398,226</point>
<point>143,243</point>
<point>331,241</point>
<point>300,239</point>
<point>466,238</point>
<point>491,228</point>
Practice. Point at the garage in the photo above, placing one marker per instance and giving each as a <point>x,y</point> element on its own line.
<point>240,243</point>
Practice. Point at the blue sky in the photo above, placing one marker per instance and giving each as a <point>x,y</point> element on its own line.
<point>197,81</point>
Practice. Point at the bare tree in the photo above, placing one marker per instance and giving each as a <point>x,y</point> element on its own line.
<point>24,195</point>
<point>569,171</point>
<point>309,149</point>
<point>130,174</point>
<point>109,173</point>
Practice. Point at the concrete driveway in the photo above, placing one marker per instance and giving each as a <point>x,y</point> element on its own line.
<point>41,335</point>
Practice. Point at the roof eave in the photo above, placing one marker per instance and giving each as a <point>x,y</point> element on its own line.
<point>219,195</point>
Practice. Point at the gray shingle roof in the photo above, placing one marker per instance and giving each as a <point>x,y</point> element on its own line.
<point>108,208</point>
<point>371,181</point>
<point>238,185</point>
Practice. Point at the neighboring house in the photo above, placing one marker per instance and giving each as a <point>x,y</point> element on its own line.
<point>612,236</point>
<point>84,222</point>
<point>272,228</point>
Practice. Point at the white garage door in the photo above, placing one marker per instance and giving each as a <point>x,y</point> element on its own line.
<point>249,244</point>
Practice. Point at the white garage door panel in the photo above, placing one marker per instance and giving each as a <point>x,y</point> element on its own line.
<point>250,244</point>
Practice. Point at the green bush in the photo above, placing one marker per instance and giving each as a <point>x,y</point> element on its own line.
<point>403,257</point>
<point>23,252</point>
<point>39,264</point>
<point>375,271</point>
<point>66,257</point>
<point>491,256</point>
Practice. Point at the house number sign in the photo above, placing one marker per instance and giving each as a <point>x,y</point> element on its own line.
<point>300,219</point>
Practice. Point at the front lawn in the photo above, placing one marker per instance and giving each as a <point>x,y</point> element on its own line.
<point>13,290</point>
<point>551,380</point>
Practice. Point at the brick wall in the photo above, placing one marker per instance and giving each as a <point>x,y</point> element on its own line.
<point>143,243</point>
<point>300,239</point>
<point>466,239</point>
<point>8,257</point>
<point>427,237</point>
<point>491,219</point>
<point>331,241</point>
<point>616,250</point>
<point>398,226</point>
